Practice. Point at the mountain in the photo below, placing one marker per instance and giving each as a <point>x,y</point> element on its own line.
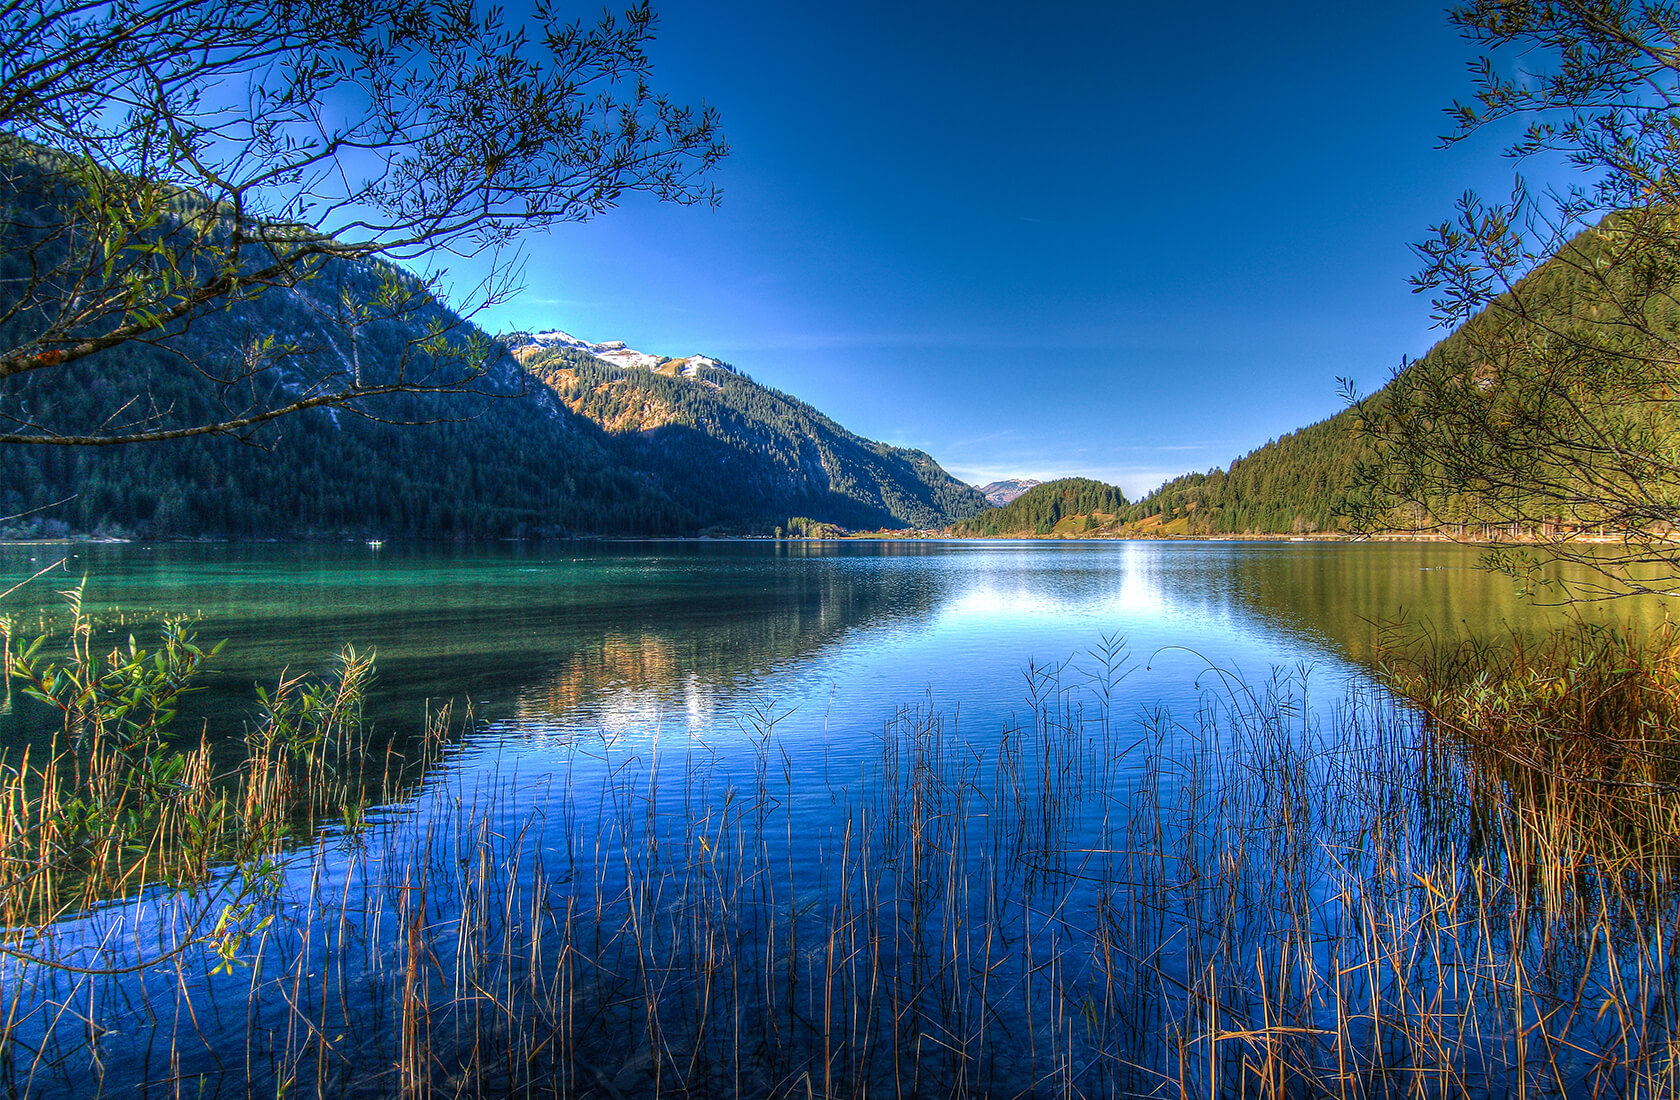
<point>1073,506</point>
<point>510,462</point>
<point>999,493</point>
<point>518,458</point>
<point>1538,369</point>
<point>739,454</point>
<point>1294,485</point>
<point>525,345</point>
<point>604,441</point>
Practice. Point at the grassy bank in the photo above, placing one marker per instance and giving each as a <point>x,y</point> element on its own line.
<point>1265,898</point>
<point>1581,724</point>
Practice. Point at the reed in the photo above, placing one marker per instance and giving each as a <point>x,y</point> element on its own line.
<point>1583,722</point>
<point>1270,897</point>
<point>116,803</point>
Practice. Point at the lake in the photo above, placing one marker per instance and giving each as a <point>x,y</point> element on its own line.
<point>668,635</point>
<point>935,730</point>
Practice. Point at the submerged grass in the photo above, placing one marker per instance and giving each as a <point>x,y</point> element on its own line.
<point>1266,898</point>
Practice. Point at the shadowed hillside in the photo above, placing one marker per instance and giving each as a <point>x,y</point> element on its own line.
<point>744,455</point>
<point>504,457</point>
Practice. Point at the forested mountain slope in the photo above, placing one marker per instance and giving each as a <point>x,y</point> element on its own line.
<point>473,465</point>
<point>1295,484</point>
<point>1070,506</point>
<point>737,452</point>
<point>1525,399</point>
<point>497,454</point>
<point>678,456</point>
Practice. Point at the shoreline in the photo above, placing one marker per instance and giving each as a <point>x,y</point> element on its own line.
<point>1322,537</point>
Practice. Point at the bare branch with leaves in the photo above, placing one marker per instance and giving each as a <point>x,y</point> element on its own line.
<point>1551,413</point>
<point>165,160</point>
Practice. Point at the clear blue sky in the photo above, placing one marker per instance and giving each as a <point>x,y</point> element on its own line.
<point>1114,240</point>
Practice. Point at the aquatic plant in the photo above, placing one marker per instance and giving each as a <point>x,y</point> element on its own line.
<point>116,801</point>
<point>1581,723</point>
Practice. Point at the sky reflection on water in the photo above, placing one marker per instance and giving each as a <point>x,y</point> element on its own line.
<point>618,638</point>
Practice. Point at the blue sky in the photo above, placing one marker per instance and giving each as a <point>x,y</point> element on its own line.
<point>1121,240</point>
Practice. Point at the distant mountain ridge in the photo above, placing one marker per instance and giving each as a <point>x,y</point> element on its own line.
<point>735,449</point>
<point>999,493</point>
<point>1070,507</point>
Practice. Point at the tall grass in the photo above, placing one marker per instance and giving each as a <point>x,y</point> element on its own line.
<point>116,806</point>
<point>1269,897</point>
<point>117,799</point>
<point>1582,725</point>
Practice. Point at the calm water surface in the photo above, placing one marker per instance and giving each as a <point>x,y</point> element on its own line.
<point>577,658</point>
<point>607,679</point>
<point>637,638</point>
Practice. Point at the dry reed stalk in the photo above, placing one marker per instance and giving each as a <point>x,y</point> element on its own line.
<point>1238,902</point>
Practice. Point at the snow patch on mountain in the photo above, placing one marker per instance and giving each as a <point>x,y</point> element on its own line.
<point>691,366</point>
<point>619,354</point>
<point>999,493</point>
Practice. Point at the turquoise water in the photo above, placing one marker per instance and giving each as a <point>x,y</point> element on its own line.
<point>636,636</point>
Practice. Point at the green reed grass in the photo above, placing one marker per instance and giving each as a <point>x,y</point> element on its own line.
<point>117,801</point>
